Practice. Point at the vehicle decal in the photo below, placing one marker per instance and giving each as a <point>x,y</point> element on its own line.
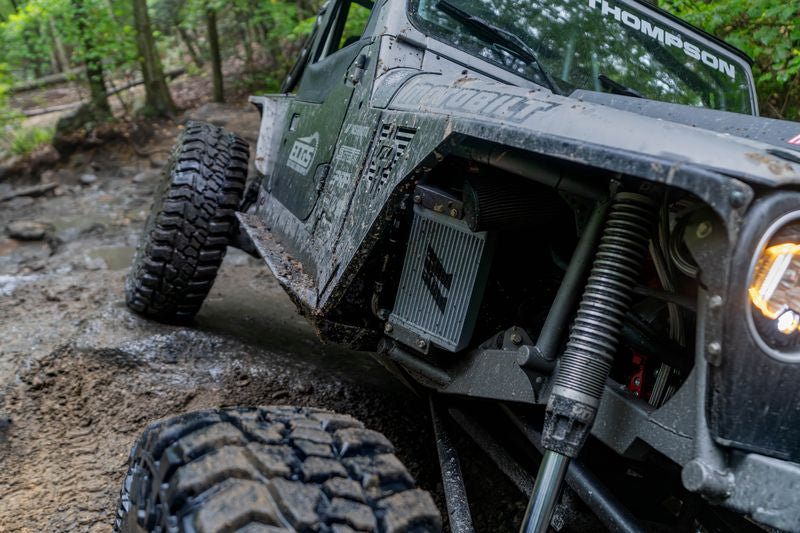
<point>358,131</point>
<point>302,154</point>
<point>349,155</point>
<point>794,140</point>
<point>436,279</point>
<point>491,104</point>
<point>663,36</point>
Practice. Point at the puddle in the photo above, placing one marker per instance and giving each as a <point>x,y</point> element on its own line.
<point>115,257</point>
<point>80,221</point>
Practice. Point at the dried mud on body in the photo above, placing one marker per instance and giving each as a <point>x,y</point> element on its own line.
<point>81,376</point>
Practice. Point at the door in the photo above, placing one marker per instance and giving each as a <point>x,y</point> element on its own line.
<point>318,110</point>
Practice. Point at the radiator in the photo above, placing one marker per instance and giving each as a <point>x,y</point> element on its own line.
<point>442,283</point>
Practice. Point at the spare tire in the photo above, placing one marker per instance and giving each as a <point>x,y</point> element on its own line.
<point>190,224</point>
<point>269,469</point>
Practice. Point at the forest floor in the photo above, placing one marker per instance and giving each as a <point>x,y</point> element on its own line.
<point>81,376</point>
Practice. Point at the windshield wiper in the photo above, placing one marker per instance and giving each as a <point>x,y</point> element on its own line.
<point>616,87</point>
<point>494,35</point>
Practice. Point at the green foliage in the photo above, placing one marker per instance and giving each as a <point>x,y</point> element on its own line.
<point>27,39</point>
<point>768,31</point>
<point>22,141</point>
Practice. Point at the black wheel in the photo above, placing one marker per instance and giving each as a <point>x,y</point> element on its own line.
<point>269,469</point>
<point>190,224</point>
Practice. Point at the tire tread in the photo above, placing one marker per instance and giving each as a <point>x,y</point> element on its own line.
<point>255,469</point>
<point>190,224</point>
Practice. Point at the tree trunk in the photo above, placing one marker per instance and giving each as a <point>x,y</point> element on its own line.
<point>196,59</point>
<point>248,50</point>
<point>59,54</point>
<point>158,101</point>
<point>216,61</point>
<point>94,65</point>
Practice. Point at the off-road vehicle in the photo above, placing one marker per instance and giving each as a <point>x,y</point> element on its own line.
<point>564,220</point>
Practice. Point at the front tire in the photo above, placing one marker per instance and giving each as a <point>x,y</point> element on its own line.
<point>190,224</point>
<point>270,469</point>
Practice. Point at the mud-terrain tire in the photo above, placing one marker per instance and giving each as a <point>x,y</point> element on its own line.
<point>270,470</point>
<point>190,224</point>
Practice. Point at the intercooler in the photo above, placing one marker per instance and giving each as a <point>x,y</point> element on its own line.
<point>442,283</point>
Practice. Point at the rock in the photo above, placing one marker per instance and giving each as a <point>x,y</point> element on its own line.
<point>158,162</point>
<point>26,230</point>
<point>88,179</point>
<point>20,203</point>
<point>49,176</point>
<point>147,175</point>
<point>95,263</point>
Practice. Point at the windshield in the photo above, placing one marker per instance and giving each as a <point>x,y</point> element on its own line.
<point>597,45</point>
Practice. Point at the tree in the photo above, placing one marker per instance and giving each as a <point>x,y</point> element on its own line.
<point>768,31</point>
<point>158,101</point>
<point>93,61</point>
<point>216,60</point>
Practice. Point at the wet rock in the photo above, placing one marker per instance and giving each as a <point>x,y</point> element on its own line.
<point>95,263</point>
<point>49,176</point>
<point>146,176</point>
<point>88,179</point>
<point>26,230</point>
<point>158,162</point>
<point>20,202</point>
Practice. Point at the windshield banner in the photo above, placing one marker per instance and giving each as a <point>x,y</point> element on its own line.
<point>663,36</point>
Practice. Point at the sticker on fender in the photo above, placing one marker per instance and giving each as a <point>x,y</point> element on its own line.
<point>794,140</point>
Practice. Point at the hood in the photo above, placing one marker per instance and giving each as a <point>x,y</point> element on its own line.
<point>783,134</point>
<point>622,136</point>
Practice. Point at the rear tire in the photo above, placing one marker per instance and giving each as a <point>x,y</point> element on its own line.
<point>190,224</point>
<point>269,469</point>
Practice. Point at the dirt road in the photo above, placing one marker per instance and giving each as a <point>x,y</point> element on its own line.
<point>80,376</point>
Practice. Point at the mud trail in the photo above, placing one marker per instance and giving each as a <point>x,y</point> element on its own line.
<point>80,376</point>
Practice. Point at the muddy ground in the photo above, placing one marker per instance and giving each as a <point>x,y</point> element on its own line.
<point>81,376</point>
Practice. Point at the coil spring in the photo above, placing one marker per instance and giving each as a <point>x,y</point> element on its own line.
<point>594,336</point>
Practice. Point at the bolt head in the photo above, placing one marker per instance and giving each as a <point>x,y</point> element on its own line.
<point>714,348</point>
<point>454,212</point>
<point>417,199</point>
<point>637,381</point>
<point>715,302</point>
<point>421,343</point>
<point>738,198</point>
<point>388,328</point>
<point>516,338</point>
<point>704,229</point>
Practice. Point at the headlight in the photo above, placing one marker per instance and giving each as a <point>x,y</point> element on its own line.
<point>774,290</point>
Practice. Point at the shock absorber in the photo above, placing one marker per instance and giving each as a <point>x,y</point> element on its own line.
<point>584,366</point>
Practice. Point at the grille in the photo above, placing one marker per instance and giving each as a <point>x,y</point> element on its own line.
<point>444,274</point>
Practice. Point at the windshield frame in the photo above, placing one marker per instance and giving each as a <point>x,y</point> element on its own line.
<point>729,52</point>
